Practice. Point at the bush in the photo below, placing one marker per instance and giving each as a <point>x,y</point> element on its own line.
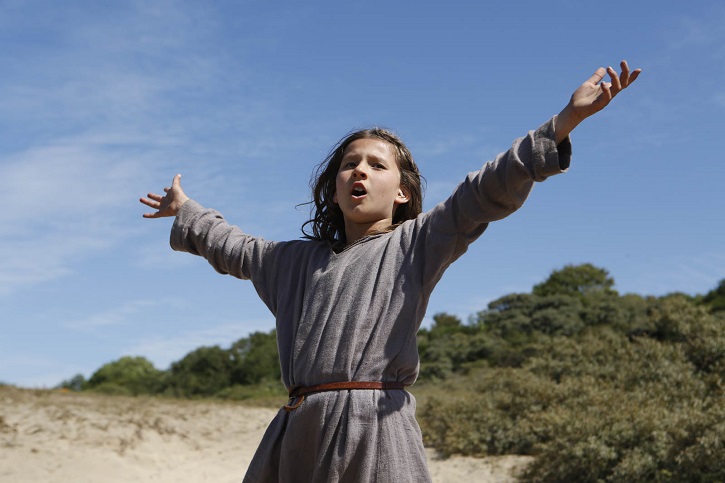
<point>576,280</point>
<point>598,408</point>
<point>273,391</point>
<point>202,372</point>
<point>128,375</point>
<point>255,358</point>
<point>113,389</point>
<point>493,421</point>
<point>75,383</point>
<point>715,298</point>
<point>701,333</point>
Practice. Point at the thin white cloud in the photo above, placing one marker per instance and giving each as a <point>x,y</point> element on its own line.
<point>121,314</point>
<point>96,124</point>
<point>60,203</point>
<point>162,351</point>
<point>695,274</point>
<point>159,255</point>
<point>31,261</point>
<point>445,146</point>
<point>62,182</point>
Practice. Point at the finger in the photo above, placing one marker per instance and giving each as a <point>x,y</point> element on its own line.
<point>155,197</point>
<point>606,94</point>
<point>166,190</point>
<point>147,202</point>
<point>176,183</point>
<point>624,76</point>
<point>624,66</point>
<point>597,76</point>
<point>616,85</point>
<point>634,75</point>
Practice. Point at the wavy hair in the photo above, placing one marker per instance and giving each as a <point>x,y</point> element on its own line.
<point>327,220</point>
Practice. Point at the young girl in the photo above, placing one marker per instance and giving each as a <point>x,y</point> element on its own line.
<point>348,301</point>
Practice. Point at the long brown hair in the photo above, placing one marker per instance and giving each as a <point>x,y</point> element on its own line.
<point>327,220</point>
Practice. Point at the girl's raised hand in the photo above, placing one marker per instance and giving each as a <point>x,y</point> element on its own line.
<point>169,204</point>
<point>593,96</point>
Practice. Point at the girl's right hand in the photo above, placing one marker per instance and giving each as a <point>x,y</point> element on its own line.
<point>169,204</point>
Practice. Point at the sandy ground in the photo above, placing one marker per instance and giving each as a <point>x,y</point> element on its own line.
<point>54,436</point>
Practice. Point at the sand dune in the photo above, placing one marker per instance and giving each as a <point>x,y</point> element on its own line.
<point>54,436</point>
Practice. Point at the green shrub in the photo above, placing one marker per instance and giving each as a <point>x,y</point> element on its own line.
<point>602,407</point>
<point>273,391</point>
<point>577,280</point>
<point>113,389</point>
<point>715,298</point>
<point>75,383</point>
<point>202,372</point>
<point>129,375</point>
<point>255,358</point>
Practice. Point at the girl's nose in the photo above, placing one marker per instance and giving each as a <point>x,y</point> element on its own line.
<point>359,172</point>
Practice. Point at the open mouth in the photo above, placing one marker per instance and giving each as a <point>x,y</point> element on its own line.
<point>358,191</point>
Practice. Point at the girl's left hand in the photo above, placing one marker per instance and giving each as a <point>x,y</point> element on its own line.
<point>594,94</point>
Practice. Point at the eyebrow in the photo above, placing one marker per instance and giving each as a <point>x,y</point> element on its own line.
<point>372,156</point>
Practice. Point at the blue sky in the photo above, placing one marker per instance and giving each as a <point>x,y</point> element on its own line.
<point>101,102</point>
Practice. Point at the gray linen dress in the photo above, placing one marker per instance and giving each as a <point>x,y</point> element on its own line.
<point>353,315</point>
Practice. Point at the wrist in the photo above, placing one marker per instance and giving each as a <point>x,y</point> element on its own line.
<point>179,203</point>
<point>565,123</point>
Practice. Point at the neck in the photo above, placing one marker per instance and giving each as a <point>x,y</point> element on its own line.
<point>357,231</point>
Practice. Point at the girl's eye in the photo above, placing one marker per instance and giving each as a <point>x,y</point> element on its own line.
<point>379,165</point>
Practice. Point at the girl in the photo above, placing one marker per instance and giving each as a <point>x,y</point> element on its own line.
<point>348,301</point>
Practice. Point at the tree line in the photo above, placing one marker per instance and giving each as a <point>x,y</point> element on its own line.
<point>250,362</point>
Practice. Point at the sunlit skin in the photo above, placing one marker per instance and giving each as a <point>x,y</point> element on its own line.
<point>371,164</point>
<point>367,187</point>
<point>593,96</point>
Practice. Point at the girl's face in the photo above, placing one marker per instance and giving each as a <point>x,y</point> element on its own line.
<point>367,186</point>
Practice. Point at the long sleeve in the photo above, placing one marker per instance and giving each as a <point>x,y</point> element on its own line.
<point>276,269</point>
<point>498,189</point>
<point>502,186</point>
<point>204,232</point>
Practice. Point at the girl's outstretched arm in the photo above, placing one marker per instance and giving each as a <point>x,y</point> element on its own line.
<point>593,96</point>
<point>169,204</point>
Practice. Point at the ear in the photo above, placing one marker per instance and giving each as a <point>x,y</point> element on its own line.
<point>402,197</point>
<point>334,197</point>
